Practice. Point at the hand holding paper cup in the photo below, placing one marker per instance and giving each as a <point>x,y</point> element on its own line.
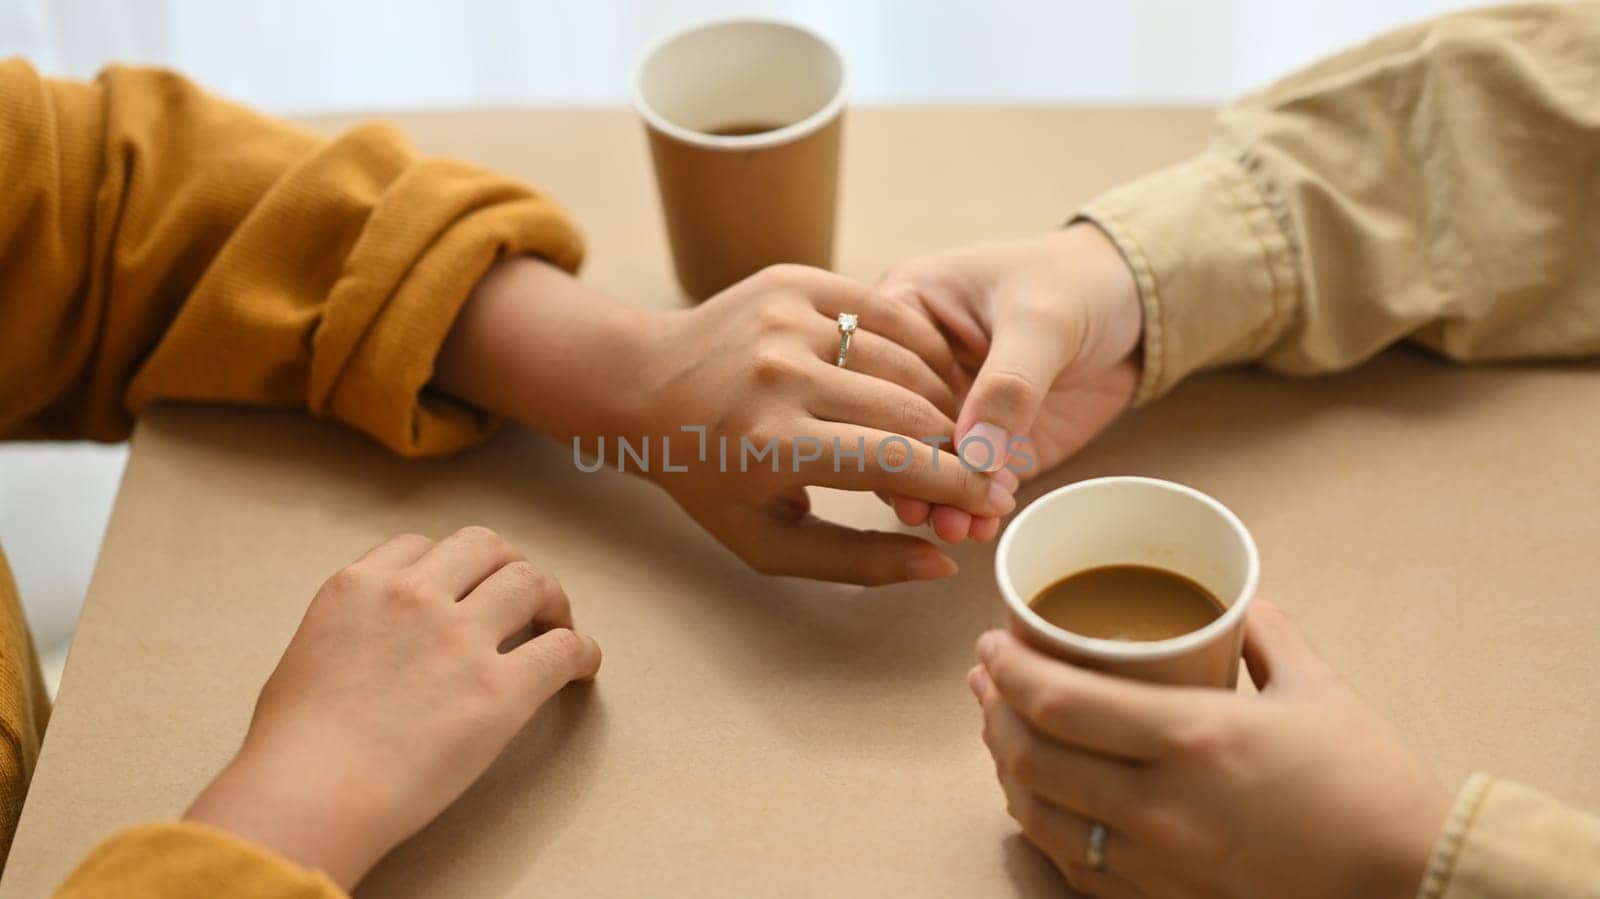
<point>744,120</point>
<point>1152,579</point>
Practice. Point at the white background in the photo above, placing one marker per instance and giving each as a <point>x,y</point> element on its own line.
<point>296,56</point>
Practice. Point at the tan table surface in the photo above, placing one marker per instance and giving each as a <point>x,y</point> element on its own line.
<point>1434,528</point>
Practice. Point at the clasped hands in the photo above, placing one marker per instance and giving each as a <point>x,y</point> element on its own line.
<point>970,372</point>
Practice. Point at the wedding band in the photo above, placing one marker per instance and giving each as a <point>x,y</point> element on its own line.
<point>847,327</point>
<point>1095,855</point>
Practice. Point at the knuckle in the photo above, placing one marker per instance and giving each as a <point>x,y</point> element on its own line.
<point>1009,384</point>
<point>783,274</point>
<point>1204,739</point>
<point>1050,710</point>
<point>407,590</point>
<point>777,318</point>
<point>564,648</point>
<point>894,455</point>
<point>1161,827</point>
<point>1025,767</point>
<point>773,368</point>
<point>347,580</point>
<point>1026,811</point>
<point>478,534</point>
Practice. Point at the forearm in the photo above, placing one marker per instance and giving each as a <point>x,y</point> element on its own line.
<point>535,344</point>
<point>1433,185</point>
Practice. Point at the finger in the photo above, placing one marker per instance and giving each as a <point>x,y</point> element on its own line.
<point>1010,387</point>
<point>395,553</point>
<point>1063,837</point>
<point>911,512</point>
<point>463,560</point>
<point>1087,784</point>
<point>550,661</point>
<point>951,524</point>
<point>1083,708</point>
<point>1100,884</point>
<point>517,595</point>
<point>984,529</point>
<point>883,315</point>
<point>851,457</point>
<point>872,355</point>
<point>858,398</point>
<point>1276,651</point>
<point>811,547</point>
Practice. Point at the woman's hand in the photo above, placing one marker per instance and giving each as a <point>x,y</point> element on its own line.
<point>750,368</point>
<point>1048,329</point>
<point>411,671</point>
<point>756,364</point>
<point>1299,791</point>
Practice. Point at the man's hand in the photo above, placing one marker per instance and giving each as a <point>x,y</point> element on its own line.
<point>1047,329</point>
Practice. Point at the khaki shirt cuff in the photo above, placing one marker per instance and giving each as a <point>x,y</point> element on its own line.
<point>1213,259</point>
<point>1504,840</point>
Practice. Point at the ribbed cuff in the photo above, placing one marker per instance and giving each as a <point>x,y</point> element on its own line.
<point>179,859</point>
<point>1213,260</point>
<point>431,237</point>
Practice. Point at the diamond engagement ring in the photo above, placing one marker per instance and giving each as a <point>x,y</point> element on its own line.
<point>847,327</point>
<point>1095,855</point>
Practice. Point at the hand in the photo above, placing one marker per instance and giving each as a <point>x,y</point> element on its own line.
<point>410,672</point>
<point>1050,325</point>
<point>1299,791</point>
<point>754,363</point>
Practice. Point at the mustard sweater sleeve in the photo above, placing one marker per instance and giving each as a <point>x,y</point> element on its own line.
<point>158,243</point>
<point>1437,185</point>
<point>180,861</point>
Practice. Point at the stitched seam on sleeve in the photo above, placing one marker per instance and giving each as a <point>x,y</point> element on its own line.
<point>1442,863</point>
<point>1156,345</point>
<point>1285,262</point>
<point>1249,205</point>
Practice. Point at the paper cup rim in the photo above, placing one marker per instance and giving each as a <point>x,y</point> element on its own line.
<point>787,134</point>
<point>1122,650</point>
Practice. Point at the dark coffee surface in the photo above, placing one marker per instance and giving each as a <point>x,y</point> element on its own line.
<point>741,129</point>
<point>1127,602</point>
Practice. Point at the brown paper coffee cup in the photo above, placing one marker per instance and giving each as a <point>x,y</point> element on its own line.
<point>1133,521</point>
<point>737,203</point>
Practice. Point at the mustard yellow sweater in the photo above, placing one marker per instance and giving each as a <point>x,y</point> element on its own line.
<point>158,243</point>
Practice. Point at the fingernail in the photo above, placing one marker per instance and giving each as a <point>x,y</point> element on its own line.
<point>985,441</point>
<point>988,644</point>
<point>978,681</point>
<point>1000,498</point>
<point>931,567</point>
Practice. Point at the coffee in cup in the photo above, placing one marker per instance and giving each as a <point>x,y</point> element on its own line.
<point>1133,576</point>
<point>744,120</point>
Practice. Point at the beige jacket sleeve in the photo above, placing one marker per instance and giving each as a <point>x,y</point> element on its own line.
<point>1439,185</point>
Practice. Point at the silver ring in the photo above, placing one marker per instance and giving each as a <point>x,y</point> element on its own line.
<point>1095,855</point>
<point>847,327</point>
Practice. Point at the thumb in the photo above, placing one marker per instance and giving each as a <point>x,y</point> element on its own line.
<point>1010,387</point>
<point>1276,650</point>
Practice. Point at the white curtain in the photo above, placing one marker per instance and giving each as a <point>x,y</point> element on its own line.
<point>312,55</point>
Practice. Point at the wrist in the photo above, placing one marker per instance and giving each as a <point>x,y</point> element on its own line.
<point>525,345</point>
<point>336,828</point>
